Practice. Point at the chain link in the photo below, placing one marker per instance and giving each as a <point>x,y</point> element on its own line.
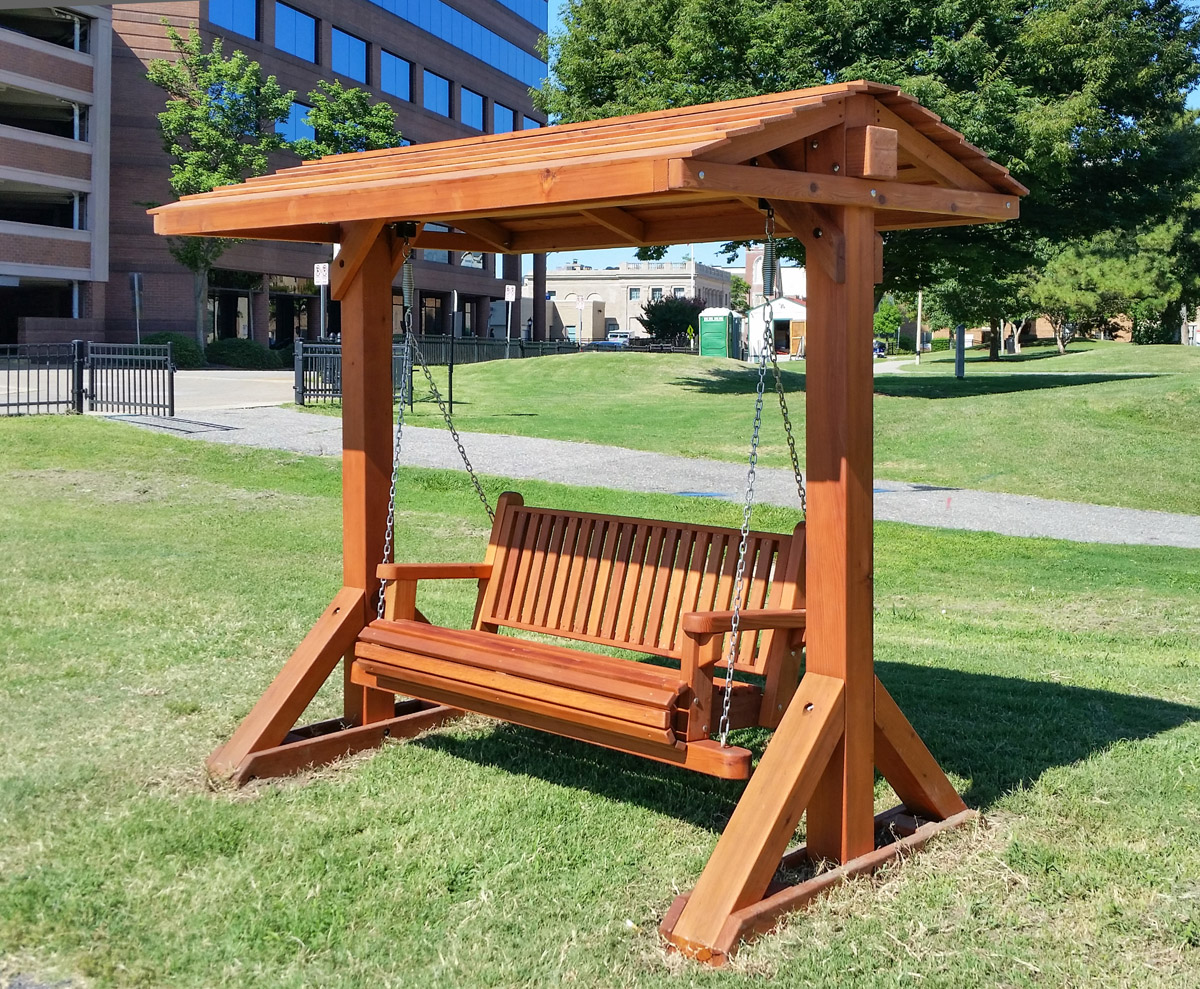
<point>405,381</point>
<point>739,579</point>
<point>437,397</point>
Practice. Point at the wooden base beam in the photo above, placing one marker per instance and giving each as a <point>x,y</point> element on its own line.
<point>326,741</point>
<point>907,834</point>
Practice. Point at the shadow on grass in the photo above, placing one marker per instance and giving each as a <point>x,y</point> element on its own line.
<point>1001,733</point>
<point>724,382</point>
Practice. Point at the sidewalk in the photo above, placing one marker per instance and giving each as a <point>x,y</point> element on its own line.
<point>634,470</point>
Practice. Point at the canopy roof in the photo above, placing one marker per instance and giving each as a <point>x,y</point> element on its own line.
<point>675,176</point>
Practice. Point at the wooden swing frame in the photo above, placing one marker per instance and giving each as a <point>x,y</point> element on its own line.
<point>838,164</point>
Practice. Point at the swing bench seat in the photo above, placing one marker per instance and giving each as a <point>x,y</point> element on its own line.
<point>658,591</point>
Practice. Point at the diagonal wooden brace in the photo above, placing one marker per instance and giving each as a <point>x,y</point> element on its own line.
<point>297,683</point>
<point>765,819</point>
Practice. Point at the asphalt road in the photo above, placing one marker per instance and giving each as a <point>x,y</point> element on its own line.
<point>634,470</point>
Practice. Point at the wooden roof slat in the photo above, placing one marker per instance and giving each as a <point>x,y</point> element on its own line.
<point>606,177</point>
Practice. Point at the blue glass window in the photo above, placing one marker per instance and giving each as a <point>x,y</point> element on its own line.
<point>349,56</point>
<point>437,93</point>
<point>503,119</point>
<point>295,32</point>
<point>471,108</point>
<point>533,11</point>
<point>448,24</point>
<point>530,124</point>
<point>295,128</point>
<point>236,15</point>
<point>395,75</point>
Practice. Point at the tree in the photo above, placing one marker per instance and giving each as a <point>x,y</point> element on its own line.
<point>739,293</point>
<point>1082,99</point>
<point>1088,283</point>
<point>345,120</point>
<point>672,316</point>
<point>888,318</point>
<point>218,128</point>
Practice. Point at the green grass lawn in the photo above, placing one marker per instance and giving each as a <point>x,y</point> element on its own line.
<point>152,586</point>
<point>1075,427</point>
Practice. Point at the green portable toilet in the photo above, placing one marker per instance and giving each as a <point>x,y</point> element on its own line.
<point>720,333</point>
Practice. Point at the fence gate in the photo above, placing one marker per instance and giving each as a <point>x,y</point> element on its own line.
<point>133,379</point>
<point>41,377</point>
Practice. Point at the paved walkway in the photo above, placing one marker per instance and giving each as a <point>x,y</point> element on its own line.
<point>634,470</point>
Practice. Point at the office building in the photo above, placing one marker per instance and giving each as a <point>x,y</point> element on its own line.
<point>77,110</point>
<point>624,289</point>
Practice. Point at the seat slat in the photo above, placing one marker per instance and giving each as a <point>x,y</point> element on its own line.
<point>499,704</point>
<point>383,661</point>
<point>556,664</point>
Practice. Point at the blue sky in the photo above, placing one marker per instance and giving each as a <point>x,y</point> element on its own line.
<point>705,253</point>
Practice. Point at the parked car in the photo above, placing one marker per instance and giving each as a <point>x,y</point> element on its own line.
<point>619,337</point>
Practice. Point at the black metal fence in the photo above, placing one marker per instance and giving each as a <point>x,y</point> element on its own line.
<point>318,366</point>
<point>134,379</point>
<point>130,378</point>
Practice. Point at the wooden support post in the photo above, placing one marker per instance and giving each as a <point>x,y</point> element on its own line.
<point>840,604</point>
<point>366,296</point>
<point>840,458</point>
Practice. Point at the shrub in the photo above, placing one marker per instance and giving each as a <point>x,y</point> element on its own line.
<point>235,352</point>
<point>286,354</point>
<point>939,343</point>
<point>185,352</point>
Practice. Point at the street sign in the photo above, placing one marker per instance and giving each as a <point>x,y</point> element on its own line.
<point>510,293</point>
<point>321,273</point>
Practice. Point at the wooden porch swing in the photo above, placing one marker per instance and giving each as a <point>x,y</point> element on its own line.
<point>836,165</point>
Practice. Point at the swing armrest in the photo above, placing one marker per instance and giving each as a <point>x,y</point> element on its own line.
<point>433,571</point>
<point>701,624</point>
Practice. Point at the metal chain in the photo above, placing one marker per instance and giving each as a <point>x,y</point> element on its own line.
<point>739,579</point>
<point>405,379</point>
<point>437,397</point>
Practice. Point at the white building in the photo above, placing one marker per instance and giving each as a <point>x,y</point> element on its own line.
<point>624,289</point>
<point>789,320</point>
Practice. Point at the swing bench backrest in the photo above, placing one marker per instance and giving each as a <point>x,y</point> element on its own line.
<point>625,582</point>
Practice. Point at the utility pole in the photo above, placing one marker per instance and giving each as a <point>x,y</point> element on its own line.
<point>919,334</point>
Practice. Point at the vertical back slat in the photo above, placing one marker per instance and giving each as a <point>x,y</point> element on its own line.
<point>755,591</point>
<point>669,628</point>
<point>666,563</point>
<point>633,579</point>
<point>587,534</point>
<point>587,586</point>
<point>550,573</point>
<point>521,586</point>
<point>645,591</point>
<point>604,576</point>
<point>537,569</point>
<point>616,583</point>
<point>510,557</point>
<point>567,562</point>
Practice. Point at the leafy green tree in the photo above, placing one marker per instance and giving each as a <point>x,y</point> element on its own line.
<point>739,293</point>
<point>1089,283</point>
<point>888,318</point>
<point>1082,99</point>
<point>344,121</point>
<point>669,318</point>
<point>218,128</point>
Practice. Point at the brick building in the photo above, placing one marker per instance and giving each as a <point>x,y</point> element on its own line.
<point>80,154</point>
